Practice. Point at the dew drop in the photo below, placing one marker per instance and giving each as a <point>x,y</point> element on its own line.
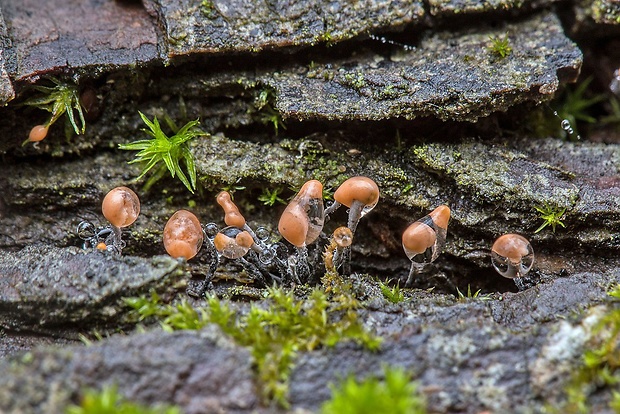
<point>266,256</point>
<point>566,125</point>
<point>85,230</point>
<point>262,233</point>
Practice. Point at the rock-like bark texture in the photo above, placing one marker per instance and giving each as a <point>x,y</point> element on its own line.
<point>192,27</point>
<point>451,76</point>
<point>199,371</point>
<point>51,36</point>
<point>410,94</point>
<point>43,288</point>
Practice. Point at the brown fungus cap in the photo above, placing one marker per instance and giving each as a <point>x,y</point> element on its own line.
<point>38,133</point>
<point>232,216</point>
<point>512,246</point>
<point>121,206</point>
<point>183,235</point>
<point>362,189</point>
<point>441,216</point>
<point>417,238</point>
<point>293,225</point>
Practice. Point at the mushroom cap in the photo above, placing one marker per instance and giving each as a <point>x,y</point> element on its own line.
<point>417,238</point>
<point>227,244</point>
<point>512,246</point>
<point>441,216</point>
<point>121,206</point>
<point>293,224</point>
<point>343,236</point>
<point>232,216</point>
<point>38,133</point>
<point>183,235</point>
<point>360,188</point>
<point>244,239</point>
<point>311,189</point>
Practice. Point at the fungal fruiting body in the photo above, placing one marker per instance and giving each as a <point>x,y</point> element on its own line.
<point>183,236</point>
<point>341,239</point>
<point>38,133</point>
<point>232,216</point>
<point>121,206</point>
<point>512,256</point>
<point>360,194</point>
<point>424,239</point>
<point>232,242</point>
<point>302,221</point>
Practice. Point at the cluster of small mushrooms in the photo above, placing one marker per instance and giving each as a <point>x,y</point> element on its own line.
<point>301,224</point>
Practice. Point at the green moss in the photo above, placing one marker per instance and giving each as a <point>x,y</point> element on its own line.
<point>108,401</point>
<point>166,153</point>
<point>393,294</point>
<point>264,102</point>
<point>395,394</point>
<point>552,216</point>
<point>270,197</point>
<point>275,333</point>
<point>463,297</point>
<point>500,46</point>
<point>600,369</point>
<point>355,80</point>
<point>59,99</point>
<point>207,8</point>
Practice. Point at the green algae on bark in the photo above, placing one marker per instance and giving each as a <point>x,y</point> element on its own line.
<point>445,76</point>
<point>235,25</point>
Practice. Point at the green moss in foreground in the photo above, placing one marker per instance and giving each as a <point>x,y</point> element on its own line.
<point>108,401</point>
<point>396,394</point>
<point>275,332</point>
<point>600,370</point>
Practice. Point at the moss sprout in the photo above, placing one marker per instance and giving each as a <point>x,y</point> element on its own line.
<point>551,216</point>
<point>270,197</point>
<point>108,401</point>
<point>275,333</point>
<point>395,394</point>
<point>59,99</point>
<point>393,294</point>
<point>265,104</point>
<point>166,153</point>
<point>469,295</point>
<point>500,46</point>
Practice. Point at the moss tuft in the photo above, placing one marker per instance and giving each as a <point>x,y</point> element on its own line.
<point>396,394</point>
<point>108,401</point>
<point>275,332</point>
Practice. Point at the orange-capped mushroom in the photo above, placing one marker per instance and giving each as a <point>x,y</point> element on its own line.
<point>512,256</point>
<point>232,216</point>
<point>121,206</point>
<point>302,221</point>
<point>361,189</point>
<point>38,133</point>
<point>183,236</point>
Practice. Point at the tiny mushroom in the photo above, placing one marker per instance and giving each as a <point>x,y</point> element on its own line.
<point>183,236</point>
<point>512,256</point>
<point>424,239</point>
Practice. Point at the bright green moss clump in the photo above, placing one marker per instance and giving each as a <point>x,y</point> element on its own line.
<point>107,401</point>
<point>274,333</point>
<point>396,394</point>
<point>166,153</point>
<point>600,371</point>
